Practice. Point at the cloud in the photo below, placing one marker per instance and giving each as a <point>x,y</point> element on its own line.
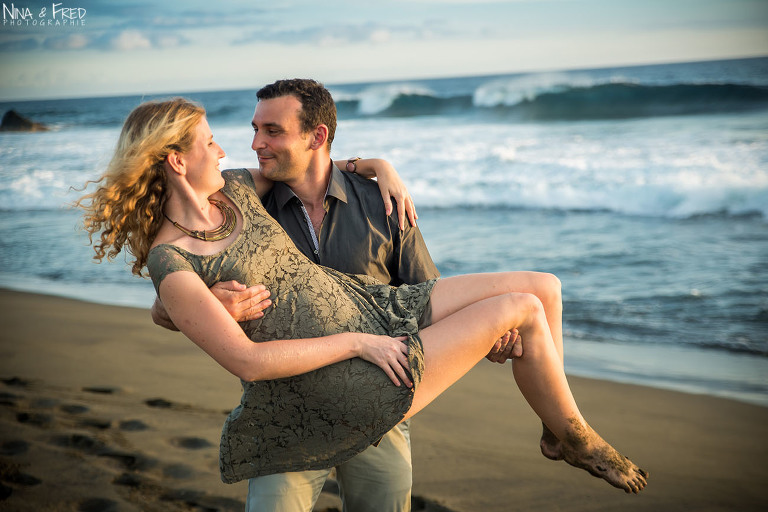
<point>186,14</point>
<point>68,42</point>
<point>124,41</point>
<point>372,33</point>
<point>129,40</point>
<point>137,40</point>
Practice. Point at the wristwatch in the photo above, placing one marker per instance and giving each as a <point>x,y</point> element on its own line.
<point>351,165</point>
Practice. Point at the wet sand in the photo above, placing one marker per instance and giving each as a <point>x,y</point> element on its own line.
<point>102,411</point>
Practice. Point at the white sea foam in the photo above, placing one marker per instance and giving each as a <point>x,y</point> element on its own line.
<point>513,90</point>
<point>378,98</point>
<point>673,167</point>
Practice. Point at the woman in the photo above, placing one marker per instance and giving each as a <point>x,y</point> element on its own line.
<point>313,396</point>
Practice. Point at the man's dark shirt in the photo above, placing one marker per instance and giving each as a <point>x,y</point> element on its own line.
<point>356,235</point>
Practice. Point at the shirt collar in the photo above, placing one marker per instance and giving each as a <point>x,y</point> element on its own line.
<point>337,187</point>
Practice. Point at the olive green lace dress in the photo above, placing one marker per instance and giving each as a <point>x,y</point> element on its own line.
<point>322,418</point>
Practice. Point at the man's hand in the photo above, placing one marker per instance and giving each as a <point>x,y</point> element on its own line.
<point>241,302</point>
<point>160,316</point>
<point>507,347</point>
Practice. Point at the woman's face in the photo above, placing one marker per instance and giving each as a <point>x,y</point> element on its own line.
<point>202,160</point>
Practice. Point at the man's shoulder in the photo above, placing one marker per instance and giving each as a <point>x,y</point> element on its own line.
<point>359,183</point>
<point>363,193</point>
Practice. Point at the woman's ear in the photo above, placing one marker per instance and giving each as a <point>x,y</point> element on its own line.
<point>319,136</point>
<point>175,161</point>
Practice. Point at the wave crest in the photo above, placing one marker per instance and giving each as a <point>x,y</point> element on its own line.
<point>559,97</point>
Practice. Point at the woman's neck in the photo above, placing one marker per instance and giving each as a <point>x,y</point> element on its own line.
<point>192,210</point>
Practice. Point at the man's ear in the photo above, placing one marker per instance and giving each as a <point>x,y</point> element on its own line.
<point>175,161</point>
<point>319,136</point>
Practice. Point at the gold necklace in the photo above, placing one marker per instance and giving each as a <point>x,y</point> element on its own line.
<point>214,235</point>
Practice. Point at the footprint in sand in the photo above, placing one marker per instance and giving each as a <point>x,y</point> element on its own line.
<point>15,382</point>
<point>191,443</point>
<point>9,474</point>
<point>160,403</point>
<point>45,403</point>
<point>14,447</point>
<point>9,399</point>
<point>130,461</point>
<point>179,471</point>
<point>80,442</point>
<point>133,425</point>
<point>98,505</point>
<point>74,408</point>
<point>102,390</point>
<point>19,478</point>
<point>95,423</point>
<point>35,418</point>
<point>128,480</point>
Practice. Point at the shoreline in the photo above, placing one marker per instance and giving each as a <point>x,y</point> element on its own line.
<point>96,403</point>
<point>734,376</point>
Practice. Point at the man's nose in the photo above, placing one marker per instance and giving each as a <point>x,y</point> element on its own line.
<point>258,142</point>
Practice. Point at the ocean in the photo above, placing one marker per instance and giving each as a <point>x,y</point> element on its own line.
<point>645,189</point>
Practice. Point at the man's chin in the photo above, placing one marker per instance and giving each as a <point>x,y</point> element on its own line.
<point>267,171</point>
<point>274,172</point>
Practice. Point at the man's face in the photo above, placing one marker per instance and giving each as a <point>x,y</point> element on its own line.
<point>284,151</point>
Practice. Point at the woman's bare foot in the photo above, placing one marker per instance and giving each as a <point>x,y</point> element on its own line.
<point>584,449</point>
<point>551,447</point>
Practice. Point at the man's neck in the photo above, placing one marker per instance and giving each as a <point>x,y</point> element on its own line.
<point>311,187</point>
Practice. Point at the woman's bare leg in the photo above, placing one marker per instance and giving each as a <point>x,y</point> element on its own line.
<point>457,292</point>
<point>460,291</point>
<point>455,343</point>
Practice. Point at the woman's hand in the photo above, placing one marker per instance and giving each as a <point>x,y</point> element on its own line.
<point>389,354</point>
<point>391,187</point>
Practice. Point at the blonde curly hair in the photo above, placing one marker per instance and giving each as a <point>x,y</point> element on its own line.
<point>127,207</point>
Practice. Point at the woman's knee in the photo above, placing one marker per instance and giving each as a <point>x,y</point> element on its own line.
<point>524,308</point>
<point>551,289</point>
<point>547,287</point>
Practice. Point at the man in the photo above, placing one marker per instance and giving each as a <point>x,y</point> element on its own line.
<point>337,219</point>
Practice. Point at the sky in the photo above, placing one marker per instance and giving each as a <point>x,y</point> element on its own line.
<point>82,48</point>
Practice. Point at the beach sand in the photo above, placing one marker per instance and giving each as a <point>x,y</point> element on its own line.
<point>102,411</point>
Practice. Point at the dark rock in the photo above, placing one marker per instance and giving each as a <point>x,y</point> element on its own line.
<point>13,122</point>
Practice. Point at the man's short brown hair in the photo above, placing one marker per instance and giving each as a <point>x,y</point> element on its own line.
<point>317,106</point>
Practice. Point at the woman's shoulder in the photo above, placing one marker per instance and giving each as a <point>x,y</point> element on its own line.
<point>239,185</point>
<point>164,259</point>
<point>238,174</point>
<point>237,177</point>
